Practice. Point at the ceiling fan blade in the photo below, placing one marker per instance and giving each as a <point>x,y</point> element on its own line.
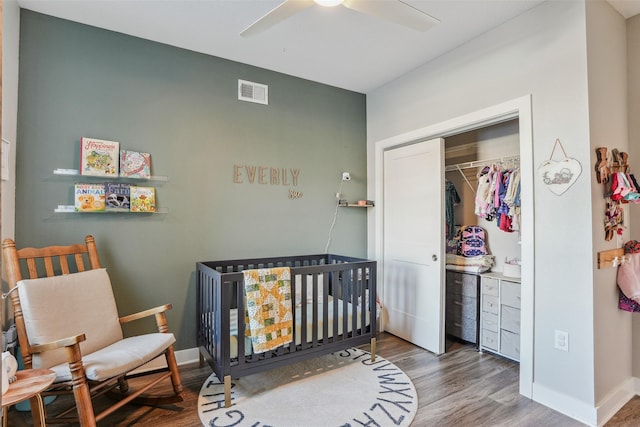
<point>276,15</point>
<point>395,11</point>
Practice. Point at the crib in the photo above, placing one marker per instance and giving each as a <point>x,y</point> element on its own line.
<point>335,308</point>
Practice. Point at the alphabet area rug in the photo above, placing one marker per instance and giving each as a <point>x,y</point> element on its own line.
<point>340,389</point>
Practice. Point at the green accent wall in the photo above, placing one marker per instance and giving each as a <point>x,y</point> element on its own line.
<point>182,107</point>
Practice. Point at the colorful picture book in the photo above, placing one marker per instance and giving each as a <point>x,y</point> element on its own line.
<point>135,164</point>
<point>89,197</point>
<point>116,196</point>
<point>99,157</point>
<point>142,199</point>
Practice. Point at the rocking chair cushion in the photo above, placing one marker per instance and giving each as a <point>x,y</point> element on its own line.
<point>64,306</point>
<point>119,358</point>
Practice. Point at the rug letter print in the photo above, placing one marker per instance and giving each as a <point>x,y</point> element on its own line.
<point>379,394</point>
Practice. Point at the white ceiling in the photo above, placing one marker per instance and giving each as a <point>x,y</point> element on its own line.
<point>336,46</point>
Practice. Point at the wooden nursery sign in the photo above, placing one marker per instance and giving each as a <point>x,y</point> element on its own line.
<point>252,174</point>
<point>268,175</point>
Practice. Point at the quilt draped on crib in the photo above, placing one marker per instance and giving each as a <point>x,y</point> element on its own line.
<point>269,317</point>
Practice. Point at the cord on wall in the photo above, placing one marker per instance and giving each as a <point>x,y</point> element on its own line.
<point>335,216</point>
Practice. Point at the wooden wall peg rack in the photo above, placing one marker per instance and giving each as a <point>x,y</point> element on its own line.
<point>611,258</point>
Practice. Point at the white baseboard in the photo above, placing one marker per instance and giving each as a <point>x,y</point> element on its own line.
<point>190,355</point>
<point>615,400</point>
<point>564,404</point>
<point>183,357</point>
<point>583,412</point>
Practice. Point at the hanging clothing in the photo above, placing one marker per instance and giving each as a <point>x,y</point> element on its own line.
<point>452,199</point>
<point>485,191</point>
<point>628,278</point>
<point>498,197</point>
<point>512,199</point>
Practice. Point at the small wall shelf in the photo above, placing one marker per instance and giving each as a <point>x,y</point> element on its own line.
<point>345,204</point>
<point>72,209</point>
<point>76,172</point>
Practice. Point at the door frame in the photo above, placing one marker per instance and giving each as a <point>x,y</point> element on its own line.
<point>519,108</point>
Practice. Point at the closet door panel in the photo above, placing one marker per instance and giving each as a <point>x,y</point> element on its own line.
<point>413,244</point>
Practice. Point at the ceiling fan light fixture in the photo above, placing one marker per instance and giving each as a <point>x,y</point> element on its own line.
<point>328,3</point>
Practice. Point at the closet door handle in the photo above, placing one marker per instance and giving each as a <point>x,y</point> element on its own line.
<point>434,257</point>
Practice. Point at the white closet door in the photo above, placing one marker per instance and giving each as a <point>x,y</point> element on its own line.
<point>413,221</point>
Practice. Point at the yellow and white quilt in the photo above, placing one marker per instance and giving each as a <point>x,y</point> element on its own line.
<point>269,317</point>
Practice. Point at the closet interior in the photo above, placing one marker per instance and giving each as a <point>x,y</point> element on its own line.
<point>482,207</point>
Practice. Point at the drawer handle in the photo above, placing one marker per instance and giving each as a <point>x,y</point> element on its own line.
<point>457,303</point>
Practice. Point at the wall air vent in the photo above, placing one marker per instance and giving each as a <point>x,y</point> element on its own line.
<point>253,92</point>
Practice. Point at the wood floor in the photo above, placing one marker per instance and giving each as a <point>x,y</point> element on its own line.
<point>460,388</point>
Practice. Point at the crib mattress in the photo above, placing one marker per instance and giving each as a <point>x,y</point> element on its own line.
<point>298,326</point>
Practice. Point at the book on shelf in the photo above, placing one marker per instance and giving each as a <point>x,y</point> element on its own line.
<point>135,164</point>
<point>89,197</point>
<point>99,157</point>
<point>142,199</point>
<point>116,196</point>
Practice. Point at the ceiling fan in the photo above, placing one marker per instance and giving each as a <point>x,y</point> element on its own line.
<point>391,10</point>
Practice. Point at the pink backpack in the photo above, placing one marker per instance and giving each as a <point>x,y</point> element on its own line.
<point>472,241</point>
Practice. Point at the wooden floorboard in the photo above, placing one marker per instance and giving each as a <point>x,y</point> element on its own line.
<point>460,388</point>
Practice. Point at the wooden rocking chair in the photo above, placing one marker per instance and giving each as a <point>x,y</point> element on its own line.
<point>67,321</point>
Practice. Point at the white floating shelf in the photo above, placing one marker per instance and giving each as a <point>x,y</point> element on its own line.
<point>72,209</point>
<point>76,172</point>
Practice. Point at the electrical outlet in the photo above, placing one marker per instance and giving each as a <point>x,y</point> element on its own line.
<point>346,176</point>
<point>561,340</point>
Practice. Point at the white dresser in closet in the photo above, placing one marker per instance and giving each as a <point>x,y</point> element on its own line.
<point>500,315</point>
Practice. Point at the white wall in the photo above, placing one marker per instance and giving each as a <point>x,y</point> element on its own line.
<point>633,71</point>
<point>542,53</point>
<point>607,76</point>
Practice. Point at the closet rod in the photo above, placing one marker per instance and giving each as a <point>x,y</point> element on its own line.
<point>481,163</point>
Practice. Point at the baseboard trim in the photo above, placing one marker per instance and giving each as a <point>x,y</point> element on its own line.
<point>190,355</point>
<point>578,410</point>
<point>183,357</point>
<point>564,404</point>
<point>615,400</point>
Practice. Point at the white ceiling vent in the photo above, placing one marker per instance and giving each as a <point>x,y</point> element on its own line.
<point>253,92</point>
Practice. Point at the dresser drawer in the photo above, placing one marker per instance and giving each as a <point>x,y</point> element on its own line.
<point>462,306</point>
<point>490,339</point>
<point>510,319</point>
<point>462,284</point>
<point>510,293</point>
<point>510,344</point>
<point>490,322</point>
<point>489,286</point>
<point>464,328</point>
<point>490,304</point>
